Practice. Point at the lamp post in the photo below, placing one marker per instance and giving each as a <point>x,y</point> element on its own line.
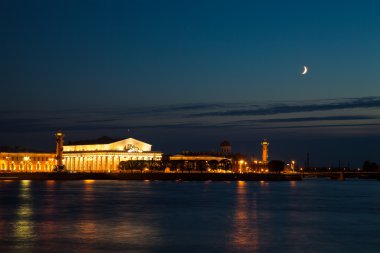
<point>255,162</point>
<point>293,165</point>
<point>240,165</point>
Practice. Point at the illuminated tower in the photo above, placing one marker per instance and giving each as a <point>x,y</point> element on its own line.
<point>265,145</point>
<point>59,149</point>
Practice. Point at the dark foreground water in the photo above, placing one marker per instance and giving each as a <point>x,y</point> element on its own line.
<point>126,216</point>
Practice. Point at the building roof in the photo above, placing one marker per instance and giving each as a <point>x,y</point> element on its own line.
<point>100,140</point>
<point>225,143</point>
<point>16,149</point>
<point>198,157</point>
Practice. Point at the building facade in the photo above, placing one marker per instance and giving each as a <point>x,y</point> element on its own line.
<point>26,162</point>
<point>105,154</point>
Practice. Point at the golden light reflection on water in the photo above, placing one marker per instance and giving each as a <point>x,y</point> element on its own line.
<point>241,184</point>
<point>87,225</point>
<point>23,228</point>
<point>25,183</point>
<point>50,182</point>
<point>88,190</point>
<point>244,235</point>
<point>89,181</point>
<point>87,228</point>
<point>7,180</point>
<point>263,183</point>
<point>127,229</point>
<point>49,228</point>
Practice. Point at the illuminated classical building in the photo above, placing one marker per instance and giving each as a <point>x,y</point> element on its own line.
<point>105,154</point>
<point>20,161</point>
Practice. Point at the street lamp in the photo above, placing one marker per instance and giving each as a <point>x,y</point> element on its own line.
<point>255,162</point>
<point>240,165</point>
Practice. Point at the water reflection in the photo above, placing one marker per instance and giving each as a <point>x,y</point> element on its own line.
<point>113,216</point>
<point>89,181</point>
<point>23,227</point>
<point>86,227</point>
<point>47,230</point>
<point>245,232</point>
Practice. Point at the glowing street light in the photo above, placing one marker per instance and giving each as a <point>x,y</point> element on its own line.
<point>240,165</point>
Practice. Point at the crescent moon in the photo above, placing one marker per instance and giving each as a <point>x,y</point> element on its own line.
<point>304,70</point>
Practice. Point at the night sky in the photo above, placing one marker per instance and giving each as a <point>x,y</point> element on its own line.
<point>185,75</point>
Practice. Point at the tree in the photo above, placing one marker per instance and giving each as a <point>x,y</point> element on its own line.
<point>202,166</point>
<point>370,166</point>
<point>276,166</point>
<point>133,165</point>
<point>213,164</point>
<point>225,164</point>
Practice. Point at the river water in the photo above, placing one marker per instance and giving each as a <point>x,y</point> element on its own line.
<point>314,215</point>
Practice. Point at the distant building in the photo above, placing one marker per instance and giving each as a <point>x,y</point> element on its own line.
<point>19,160</point>
<point>105,154</point>
<point>200,162</point>
<point>225,148</point>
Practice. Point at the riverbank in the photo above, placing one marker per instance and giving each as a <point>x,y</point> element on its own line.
<point>153,176</point>
<point>342,175</point>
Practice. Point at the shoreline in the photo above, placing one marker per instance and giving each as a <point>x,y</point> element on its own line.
<point>185,176</point>
<point>153,176</point>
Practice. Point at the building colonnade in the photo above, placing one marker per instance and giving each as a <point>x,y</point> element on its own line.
<point>103,162</point>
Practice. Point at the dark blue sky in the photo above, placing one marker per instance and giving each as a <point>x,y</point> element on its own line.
<point>188,74</point>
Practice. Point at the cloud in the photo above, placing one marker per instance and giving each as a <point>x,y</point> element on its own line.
<point>307,119</point>
<point>199,116</point>
<point>328,105</point>
<point>315,126</point>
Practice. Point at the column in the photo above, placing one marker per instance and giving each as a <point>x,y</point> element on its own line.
<point>82,163</point>
<point>70,164</point>
<point>76,163</point>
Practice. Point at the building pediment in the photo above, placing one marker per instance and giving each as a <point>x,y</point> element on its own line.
<point>128,145</point>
